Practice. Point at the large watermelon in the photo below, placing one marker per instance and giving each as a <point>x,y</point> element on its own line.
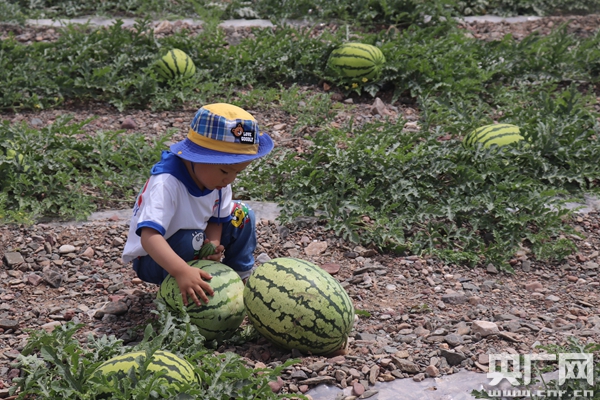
<point>177,369</point>
<point>498,134</point>
<point>297,305</point>
<point>224,313</point>
<point>357,62</point>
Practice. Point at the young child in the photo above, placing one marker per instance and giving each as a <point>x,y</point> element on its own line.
<point>187,201</point>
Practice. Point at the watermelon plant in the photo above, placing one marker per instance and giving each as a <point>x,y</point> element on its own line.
<point>61,364</point>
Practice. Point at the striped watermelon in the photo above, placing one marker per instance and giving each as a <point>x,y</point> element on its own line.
<point>297,305</point>
<point>224,313</point>
<point>177,369</point>
<point>358,62</point>
<point>498,134</point>
<point>175,63</point>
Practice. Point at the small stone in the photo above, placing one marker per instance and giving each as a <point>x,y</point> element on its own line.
<point>533,286</point>
<point>66,249</point>
<point>491,269</point>
<point>453,340</point>
<point>331,268</point>
<point>263,258</point>
<point>276,385</point>
<point>452,357</point>
<point>34,279</point>
<point>484,328</point>
<point>114,308</point>
<point>13,259</point>
<point>358,389</point>
<point>299,374</point>
<point>474,300</point>
<point>315,248</point>
<point>454,298</point>
<point>432,371</point>
<point>52,277</point>
<point>8,324</point>
<point>49,327</point>
<point>128,123</point>
<point>419,377</point>
<point>89,252</point>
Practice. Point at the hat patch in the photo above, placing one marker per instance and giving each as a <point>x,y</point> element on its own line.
<point>246,137</point>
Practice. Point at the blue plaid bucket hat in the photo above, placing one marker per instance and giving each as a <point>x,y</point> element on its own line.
<point>222,133</point>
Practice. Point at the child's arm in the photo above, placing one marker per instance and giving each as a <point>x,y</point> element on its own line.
<point>213,235</point>
<point>191,281</point>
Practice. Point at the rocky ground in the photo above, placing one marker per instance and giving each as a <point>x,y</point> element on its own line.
<point>426,318</point>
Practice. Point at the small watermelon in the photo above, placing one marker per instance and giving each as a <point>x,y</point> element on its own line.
<point>357,62</point>
<point>224,313</point>
<point>498,134</point>
<point>177,369</point>
<point>175,63</point>
<point>297,305</point>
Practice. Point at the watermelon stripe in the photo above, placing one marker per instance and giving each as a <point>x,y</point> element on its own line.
<point>174,57</point>
<point>356,67</point>
<point>483,133</point>
<point>358,46</point>
<point>167,68</point>
<point>491,139</point>
<point>173,365</point>
<point>336,56</point>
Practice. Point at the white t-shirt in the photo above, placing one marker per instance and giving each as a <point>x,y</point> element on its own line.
<point>170,201</point>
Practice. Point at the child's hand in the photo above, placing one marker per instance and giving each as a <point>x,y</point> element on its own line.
<point>218,253</point>
<point>192,282</point>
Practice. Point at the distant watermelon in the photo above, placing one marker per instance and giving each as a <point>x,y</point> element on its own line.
<point>358,62</point>
<point>176,369</point>
<point>297,305</point>
<point>498,134</point>
<point>224,313</point>
<point>175,63</point>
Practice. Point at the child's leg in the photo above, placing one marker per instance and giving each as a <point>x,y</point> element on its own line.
<point>185,243</point>
<point>239,240</point>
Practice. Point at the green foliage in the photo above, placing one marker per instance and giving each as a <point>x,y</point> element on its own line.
<point>423,195</point>
<point>52,171</point>
<point>367,13</point>
<point>58,365</point>
<point>11,13</point>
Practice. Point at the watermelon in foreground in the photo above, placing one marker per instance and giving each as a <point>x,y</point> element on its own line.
<point>498,134</point>
<point>177,370</point>
<point>224,313</point>
<point>357,61</point>
<point>297,305</point>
